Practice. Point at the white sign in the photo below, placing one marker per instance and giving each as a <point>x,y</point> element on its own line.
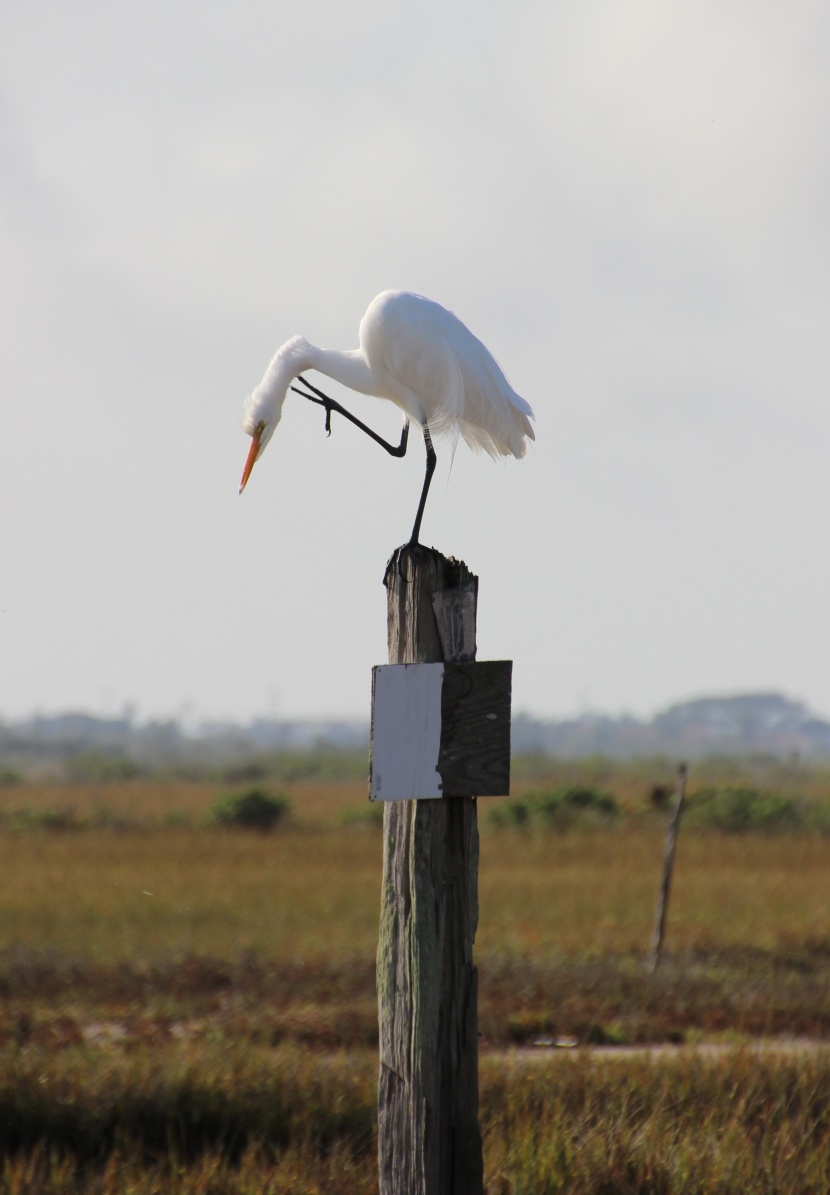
<point>406,731</point>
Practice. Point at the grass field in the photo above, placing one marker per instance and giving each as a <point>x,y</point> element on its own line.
<point>188,1008</point>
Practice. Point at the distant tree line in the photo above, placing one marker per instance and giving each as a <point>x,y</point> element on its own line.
<point>755,724</point>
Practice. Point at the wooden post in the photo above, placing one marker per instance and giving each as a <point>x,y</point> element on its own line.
<point>668,866</point>
<point>429,1142</point>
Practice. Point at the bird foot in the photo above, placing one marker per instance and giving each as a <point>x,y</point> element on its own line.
<point>396,560</point>
<point>321,401</point>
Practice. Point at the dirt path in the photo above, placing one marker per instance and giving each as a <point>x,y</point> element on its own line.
<point>665,1052</point>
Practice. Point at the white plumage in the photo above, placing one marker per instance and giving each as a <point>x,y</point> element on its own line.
<point>421,357</point>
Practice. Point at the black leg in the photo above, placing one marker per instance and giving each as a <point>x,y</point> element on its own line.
<point>431,460</point>
<point>330,405</point>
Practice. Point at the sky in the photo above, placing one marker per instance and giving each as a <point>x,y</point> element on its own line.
<point>628,202</point>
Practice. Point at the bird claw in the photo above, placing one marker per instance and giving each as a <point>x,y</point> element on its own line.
<point>320,399</point>
<point>394,565</point>
<point>396,560</point>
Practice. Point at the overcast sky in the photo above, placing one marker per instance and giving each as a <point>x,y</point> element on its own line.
<point>628,202</point>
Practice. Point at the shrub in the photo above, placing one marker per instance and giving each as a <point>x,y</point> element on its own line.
<point>560,808</point>
<point>513,814</point>
<point>252,809</point>
<point>29,818</point>
<point>739,808</point>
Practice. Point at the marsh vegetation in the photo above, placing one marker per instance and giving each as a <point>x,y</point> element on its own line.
<point>187,1004</point>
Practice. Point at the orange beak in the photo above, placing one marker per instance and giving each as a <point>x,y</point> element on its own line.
<point>253,452</point>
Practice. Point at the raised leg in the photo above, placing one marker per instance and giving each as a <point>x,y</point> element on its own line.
<point>330,405</point>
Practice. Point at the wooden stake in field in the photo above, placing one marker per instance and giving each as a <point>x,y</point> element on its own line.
<point>668,867</point>
<point>429,1142</point>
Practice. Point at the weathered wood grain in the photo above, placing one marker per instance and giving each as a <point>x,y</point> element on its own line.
<point>429,1142</point>
<point>455,615</point>
<point>474,756</point>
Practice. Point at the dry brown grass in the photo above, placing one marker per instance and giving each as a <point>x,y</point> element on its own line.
<point>269,937</point>
<point>153,801</point>
<point>175,971</point>
<point>205,1121</point>
<point>589,893</point>
<point>312,888</point>
<point>137,895</point>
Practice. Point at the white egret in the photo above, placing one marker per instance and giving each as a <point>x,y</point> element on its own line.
<point>422,358</point>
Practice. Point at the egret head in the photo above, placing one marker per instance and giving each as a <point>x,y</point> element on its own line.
<point>260,416</point>
<point>263,408</point>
